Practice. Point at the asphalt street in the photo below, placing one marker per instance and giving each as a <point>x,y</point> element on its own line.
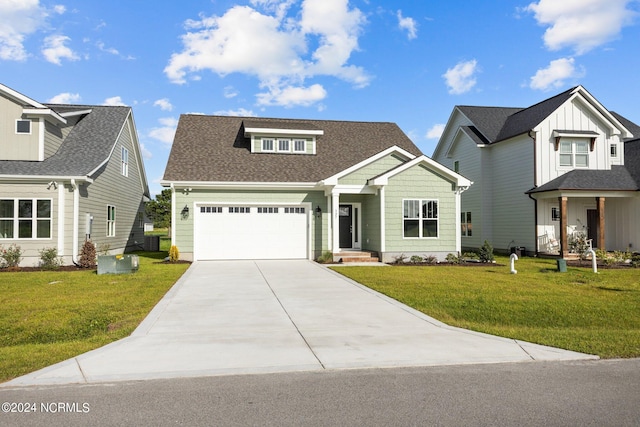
<point>565,393</point>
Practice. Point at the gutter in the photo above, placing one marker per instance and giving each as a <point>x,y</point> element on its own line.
<point>535,185</point>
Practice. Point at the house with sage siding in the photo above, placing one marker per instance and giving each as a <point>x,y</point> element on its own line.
<point>547,177</point>
<point>264,188</point>
<point>69,173</point>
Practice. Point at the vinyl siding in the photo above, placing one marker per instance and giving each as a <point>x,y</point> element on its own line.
<point>511,167</point>
<point>573,115</point>
<point>31,247</point>
<point>17,146</point>
<point>360,176</point>
<point>184,226</point>
<point>110,187</point>
<point>432,187</point>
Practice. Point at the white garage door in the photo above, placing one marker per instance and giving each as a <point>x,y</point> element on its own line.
<point>250,232</point>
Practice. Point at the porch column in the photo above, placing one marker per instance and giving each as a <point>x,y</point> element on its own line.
<point>335,221</point>
<point>564,246</point>
<point>600,213</point>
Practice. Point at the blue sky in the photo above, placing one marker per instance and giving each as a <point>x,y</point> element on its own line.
<point>408,62</point>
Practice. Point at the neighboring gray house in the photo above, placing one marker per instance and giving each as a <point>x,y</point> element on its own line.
<point>69,173</point>
<point>546,174</point>
<point>259,188</point>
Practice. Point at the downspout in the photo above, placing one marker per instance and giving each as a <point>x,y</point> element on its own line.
<point>76,221</point>
<point>173,215</point>
<point>535,185</point>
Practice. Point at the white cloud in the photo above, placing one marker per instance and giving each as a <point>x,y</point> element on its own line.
<point>280,48</point>
<point>59,9</point>
<point>461,78</point>
<point>114,101</point>
<point>54,49</point>
<point>166,131</point>
<point>230,92</point>
<point>164,104</point>
<point>65,98</point>
<point>111,50</point>
<point>409,25</point>
<point>18,19</point>
<point>555,74</point>
<point>436,131</point>
<point>291,96</point>
<point>581,24</point>
<point>145,152</point>
<point>240,112</point>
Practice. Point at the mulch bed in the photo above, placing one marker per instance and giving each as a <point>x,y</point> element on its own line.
<point>27,269</point>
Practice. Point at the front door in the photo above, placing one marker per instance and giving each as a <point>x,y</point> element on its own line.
<point>592,226</point>
<point>346,226</point>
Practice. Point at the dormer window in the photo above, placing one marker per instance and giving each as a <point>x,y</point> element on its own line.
<point>267,145</point>
<point>299,145</point>
<point>283,145</point>
<point>23,126</point>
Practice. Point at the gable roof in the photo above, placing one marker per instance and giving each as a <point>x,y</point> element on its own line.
<point>632,159</point>
<point>88,145</point>
<point>215,149</point>
<point>633,128</point>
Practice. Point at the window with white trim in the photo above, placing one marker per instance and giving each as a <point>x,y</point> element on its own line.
<point>574,153</point>
<point>614,151</point>
<point>125,161</point>
<point>284,144</point>
<point>299,145</point>
<point>420,218</point>
<point>555,214</point>
<point>25,218</point>
<point>268,144</point>
<point>465,224</point>
<point>23,126</point>
<point>111,221</point>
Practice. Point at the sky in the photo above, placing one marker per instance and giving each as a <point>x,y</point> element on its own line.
<point>403,61</point>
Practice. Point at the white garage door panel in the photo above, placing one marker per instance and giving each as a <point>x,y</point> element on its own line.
<point>253,235</point>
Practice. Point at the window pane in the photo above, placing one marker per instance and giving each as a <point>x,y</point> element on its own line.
<point>6,229</point>
<point>25,229</point>
<point>44,208</point>
<point>614,150</point>
<point>565,147</point>
<point>565,159</point>
<point>411,209</point>
<point>44,229</point>
<point>469,217</point>
<point>429,209</point>
<point>283,145</point>
<point>6,208</point>
<point>411,228</point>
<point>23,126</point>
<point>429,228</point>
<point>582,160</point>
<point>25,208</point>
<point>582,147</point>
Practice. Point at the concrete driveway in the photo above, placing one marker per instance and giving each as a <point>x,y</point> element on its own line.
<point>246,317</point>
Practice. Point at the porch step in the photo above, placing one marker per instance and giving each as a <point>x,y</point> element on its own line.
<point>353,256</point>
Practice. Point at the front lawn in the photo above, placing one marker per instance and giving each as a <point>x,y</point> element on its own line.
<point>577,310</point>
<point>50,316</point>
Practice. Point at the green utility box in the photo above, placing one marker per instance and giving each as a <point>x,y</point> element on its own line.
<point>118,264</point>
<point>562,265</point>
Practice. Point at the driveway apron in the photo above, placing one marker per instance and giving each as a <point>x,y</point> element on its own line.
<point>246,317</point>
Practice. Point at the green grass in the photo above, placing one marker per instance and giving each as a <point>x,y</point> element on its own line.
<point>577,310</point>
<point>47,317</point>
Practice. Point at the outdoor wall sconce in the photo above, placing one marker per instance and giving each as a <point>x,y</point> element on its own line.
<point>185,212</point>
<point>318,211</point>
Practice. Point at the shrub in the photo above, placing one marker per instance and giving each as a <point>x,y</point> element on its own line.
<point>453,259</point>
<point>399,259</point>
<point>87,255</point>
<point>470,255</point>
<point>174,254</point>
<point>486,252</point>
<point>49,259</point>
<point>11,256</point>
<point>415,259</point>
<point>325,258</point>
<point>431,259</point>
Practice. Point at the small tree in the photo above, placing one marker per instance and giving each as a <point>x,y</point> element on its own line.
<point>174,254</point>
<point>159,210</point>
<point>87,255</point>
<point>486,252</point>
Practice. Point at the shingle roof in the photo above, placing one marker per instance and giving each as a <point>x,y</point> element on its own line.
<point>617,178</point>
<point>632,158</point>
<point>500,123</point>
<point>88,144</point>
<point>631,126</point>
<point>214,149</point>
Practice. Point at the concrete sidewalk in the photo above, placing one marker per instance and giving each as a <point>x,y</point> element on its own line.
<point>246,317</point>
